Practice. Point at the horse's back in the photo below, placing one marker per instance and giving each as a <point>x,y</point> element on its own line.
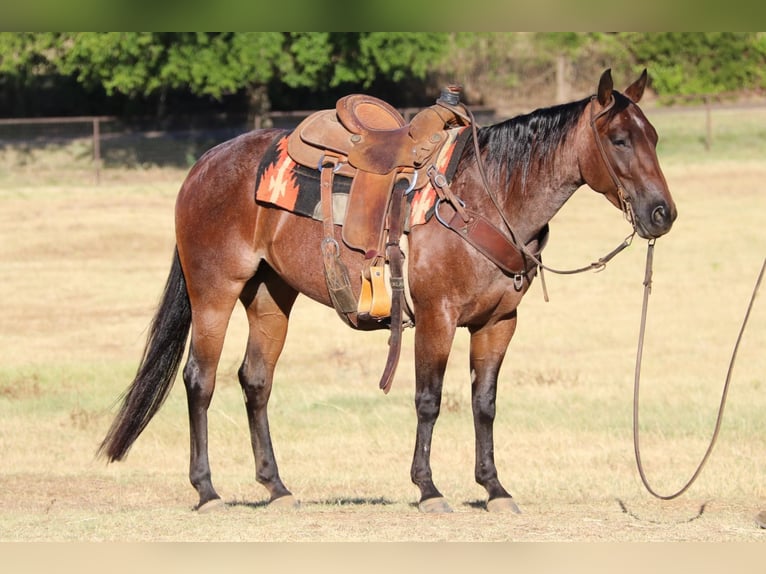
<point>226,172</point>
<point>224,235</point>
<point>216,211</point>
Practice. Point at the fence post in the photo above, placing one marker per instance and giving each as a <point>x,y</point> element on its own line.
<point>708,125</point>
<point>561,81</point>
<point>97,149</point>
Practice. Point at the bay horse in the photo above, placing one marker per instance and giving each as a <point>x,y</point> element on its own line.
<point>230,247</point>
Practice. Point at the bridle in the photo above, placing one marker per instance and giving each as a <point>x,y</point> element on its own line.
<point>625,204</point>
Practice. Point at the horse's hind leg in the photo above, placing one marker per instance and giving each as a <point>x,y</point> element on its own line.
<point>210,318</point>
<point>488,346</point>
<point>268,301</point>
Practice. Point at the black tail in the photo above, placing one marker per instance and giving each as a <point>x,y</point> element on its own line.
<point>162,355</point>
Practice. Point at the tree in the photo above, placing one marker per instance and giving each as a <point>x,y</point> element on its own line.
<point>362,57</point>
<point>217,64</point>
<point>25,57</point>
<point>147,63</point>
<point>144,64</point>
<point>700,62</point>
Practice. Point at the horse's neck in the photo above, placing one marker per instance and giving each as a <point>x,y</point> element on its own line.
<point>530,188</point>
<point>532,201</point>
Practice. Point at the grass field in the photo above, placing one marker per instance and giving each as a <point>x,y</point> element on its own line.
<point>83,267</point>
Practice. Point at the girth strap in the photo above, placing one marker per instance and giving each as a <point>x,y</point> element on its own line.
<point>336,272</point>
<point>395,258</point>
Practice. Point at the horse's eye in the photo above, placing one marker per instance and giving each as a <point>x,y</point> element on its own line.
<point>619,142</point>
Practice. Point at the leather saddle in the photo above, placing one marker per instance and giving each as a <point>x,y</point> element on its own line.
<point>369,141</point>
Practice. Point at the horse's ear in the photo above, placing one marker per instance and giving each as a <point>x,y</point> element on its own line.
<point>605,87</point>
<point>636,89</point>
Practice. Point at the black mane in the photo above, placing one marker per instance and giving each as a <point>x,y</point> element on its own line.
<point>512,145</point>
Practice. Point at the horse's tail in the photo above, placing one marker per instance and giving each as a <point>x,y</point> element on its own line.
<point>158,368</point>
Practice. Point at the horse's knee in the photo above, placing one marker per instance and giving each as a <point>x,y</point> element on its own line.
<point>255,381</point>
<point>249,377</point>
<point>428,405</point>
<point>484,409</point>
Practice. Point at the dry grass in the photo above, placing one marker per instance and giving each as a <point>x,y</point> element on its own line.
<point>82,269</point>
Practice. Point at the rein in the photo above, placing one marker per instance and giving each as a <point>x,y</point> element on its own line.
<point>637,378</point>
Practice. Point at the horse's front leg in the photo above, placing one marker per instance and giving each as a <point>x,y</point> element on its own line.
<point>433,340</point>
<point>488,346</point>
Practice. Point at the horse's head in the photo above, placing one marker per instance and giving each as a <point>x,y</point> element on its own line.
<point>619,158</point>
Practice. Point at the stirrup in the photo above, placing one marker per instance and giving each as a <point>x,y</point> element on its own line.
<point>375,299</point>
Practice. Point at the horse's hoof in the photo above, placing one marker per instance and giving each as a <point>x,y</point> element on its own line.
<point>760,520</point>
<point>438,505</point>
<point>503,505</point>
<point>287,502</point>
<point>211,505</point>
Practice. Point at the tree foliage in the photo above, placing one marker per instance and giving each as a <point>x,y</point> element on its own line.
<point>701,62</point>
<point>136,65</point>
<point>23,53</point>
<point>215,64</point>
<point>140,64</point>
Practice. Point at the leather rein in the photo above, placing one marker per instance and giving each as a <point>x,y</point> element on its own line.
<point>599,265</point>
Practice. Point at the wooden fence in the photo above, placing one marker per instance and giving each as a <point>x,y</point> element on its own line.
<point>181,143</point>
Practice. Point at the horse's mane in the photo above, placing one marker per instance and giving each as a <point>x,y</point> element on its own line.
<point>512,145</point>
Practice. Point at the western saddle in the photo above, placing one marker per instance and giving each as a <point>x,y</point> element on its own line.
<point>366,139</point>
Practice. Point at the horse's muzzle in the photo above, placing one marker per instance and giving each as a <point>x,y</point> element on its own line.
<point>657,221</point>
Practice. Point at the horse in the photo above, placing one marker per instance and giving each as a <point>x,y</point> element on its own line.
<point>517,174</point>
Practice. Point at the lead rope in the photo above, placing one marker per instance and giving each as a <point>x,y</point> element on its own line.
<point>716,431</point>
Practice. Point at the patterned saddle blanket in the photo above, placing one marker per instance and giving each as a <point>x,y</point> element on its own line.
<point>282,182</point>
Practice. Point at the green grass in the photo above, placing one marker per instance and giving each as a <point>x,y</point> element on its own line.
<point>736,134</point>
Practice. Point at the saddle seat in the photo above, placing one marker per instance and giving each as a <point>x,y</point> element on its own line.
<point>381,139</point>
<point>368,134</point>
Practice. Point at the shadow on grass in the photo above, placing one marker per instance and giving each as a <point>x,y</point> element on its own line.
<point>476,504</point>
<point>473,504</point>
<point>348,502</point>
<point>342,502</point>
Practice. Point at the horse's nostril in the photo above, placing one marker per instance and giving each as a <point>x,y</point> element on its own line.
<point>659,215</point>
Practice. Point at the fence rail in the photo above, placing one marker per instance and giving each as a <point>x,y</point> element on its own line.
<point>114,142</point>
<point>94,121</point>
<point>96,144</point>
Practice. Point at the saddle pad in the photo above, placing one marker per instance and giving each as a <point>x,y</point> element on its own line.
<point>281,182</point>
<point>285,184</point>
<point>422,200</point>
